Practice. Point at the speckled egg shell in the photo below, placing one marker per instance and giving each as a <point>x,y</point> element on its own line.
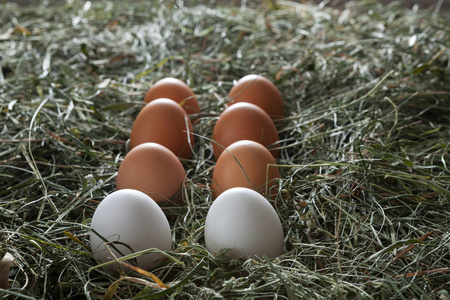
<point>176,90</point>
<point>163,121</point>
<point>260,91</point>
<point>245,164</point>
<point>244,121</point>
<point>153,169</point>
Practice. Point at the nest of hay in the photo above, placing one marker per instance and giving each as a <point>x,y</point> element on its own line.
<point>364,187</point>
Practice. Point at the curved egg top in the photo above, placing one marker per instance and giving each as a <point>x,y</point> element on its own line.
<point>244,222</point>
<point>245,164</point>
<point>136,222</point>
<point>176,90</point>
<point>163,121</point>
<point>153,169</point>
<point>244,121</point>
<point>260,91</point>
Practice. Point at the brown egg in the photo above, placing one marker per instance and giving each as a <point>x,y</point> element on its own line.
<point>176,90</point>
<point>153,169</point>
<point>244,121</point>
<point>244,164</point>
<point>260,91</point>
<point>163,121</point>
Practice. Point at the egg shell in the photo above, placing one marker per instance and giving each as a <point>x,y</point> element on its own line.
<point>244,164</point>
<point>129,217</point>
<point>243,221</point>
<point>244,121</point>
<point>260,91</point>
<point>163,121</point>
<point>176,90</point>
<point>153,169</point>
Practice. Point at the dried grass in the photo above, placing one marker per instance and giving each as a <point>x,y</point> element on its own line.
<point>364,197</point>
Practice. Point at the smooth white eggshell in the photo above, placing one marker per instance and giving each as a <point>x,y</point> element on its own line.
<point>133,218</point>
<point>242,220</point>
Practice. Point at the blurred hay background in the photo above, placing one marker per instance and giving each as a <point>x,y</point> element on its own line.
<point>423,4</point>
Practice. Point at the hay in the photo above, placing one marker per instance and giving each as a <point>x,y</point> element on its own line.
<point>364,197</point>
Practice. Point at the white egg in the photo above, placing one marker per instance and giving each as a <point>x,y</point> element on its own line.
<point>242,220</point>
<point>129,217</point>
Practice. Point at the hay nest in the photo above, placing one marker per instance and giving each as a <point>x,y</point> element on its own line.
<point>364,187</point>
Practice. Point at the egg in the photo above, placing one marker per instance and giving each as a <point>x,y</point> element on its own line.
<point>245,164</point>
<point>130,221</point>
<point>163,121</point>
<point>244,121</point>
<point>176,90</point>
<point>260,91</point>
<point>153,169</point>
<point>244,222</point>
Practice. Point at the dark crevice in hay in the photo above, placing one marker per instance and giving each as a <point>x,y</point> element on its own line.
<point>365,153</point>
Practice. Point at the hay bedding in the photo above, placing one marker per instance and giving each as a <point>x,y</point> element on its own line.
<point>364,197</point>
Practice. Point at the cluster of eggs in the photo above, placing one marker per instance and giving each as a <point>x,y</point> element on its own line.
<point>245,146</point>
